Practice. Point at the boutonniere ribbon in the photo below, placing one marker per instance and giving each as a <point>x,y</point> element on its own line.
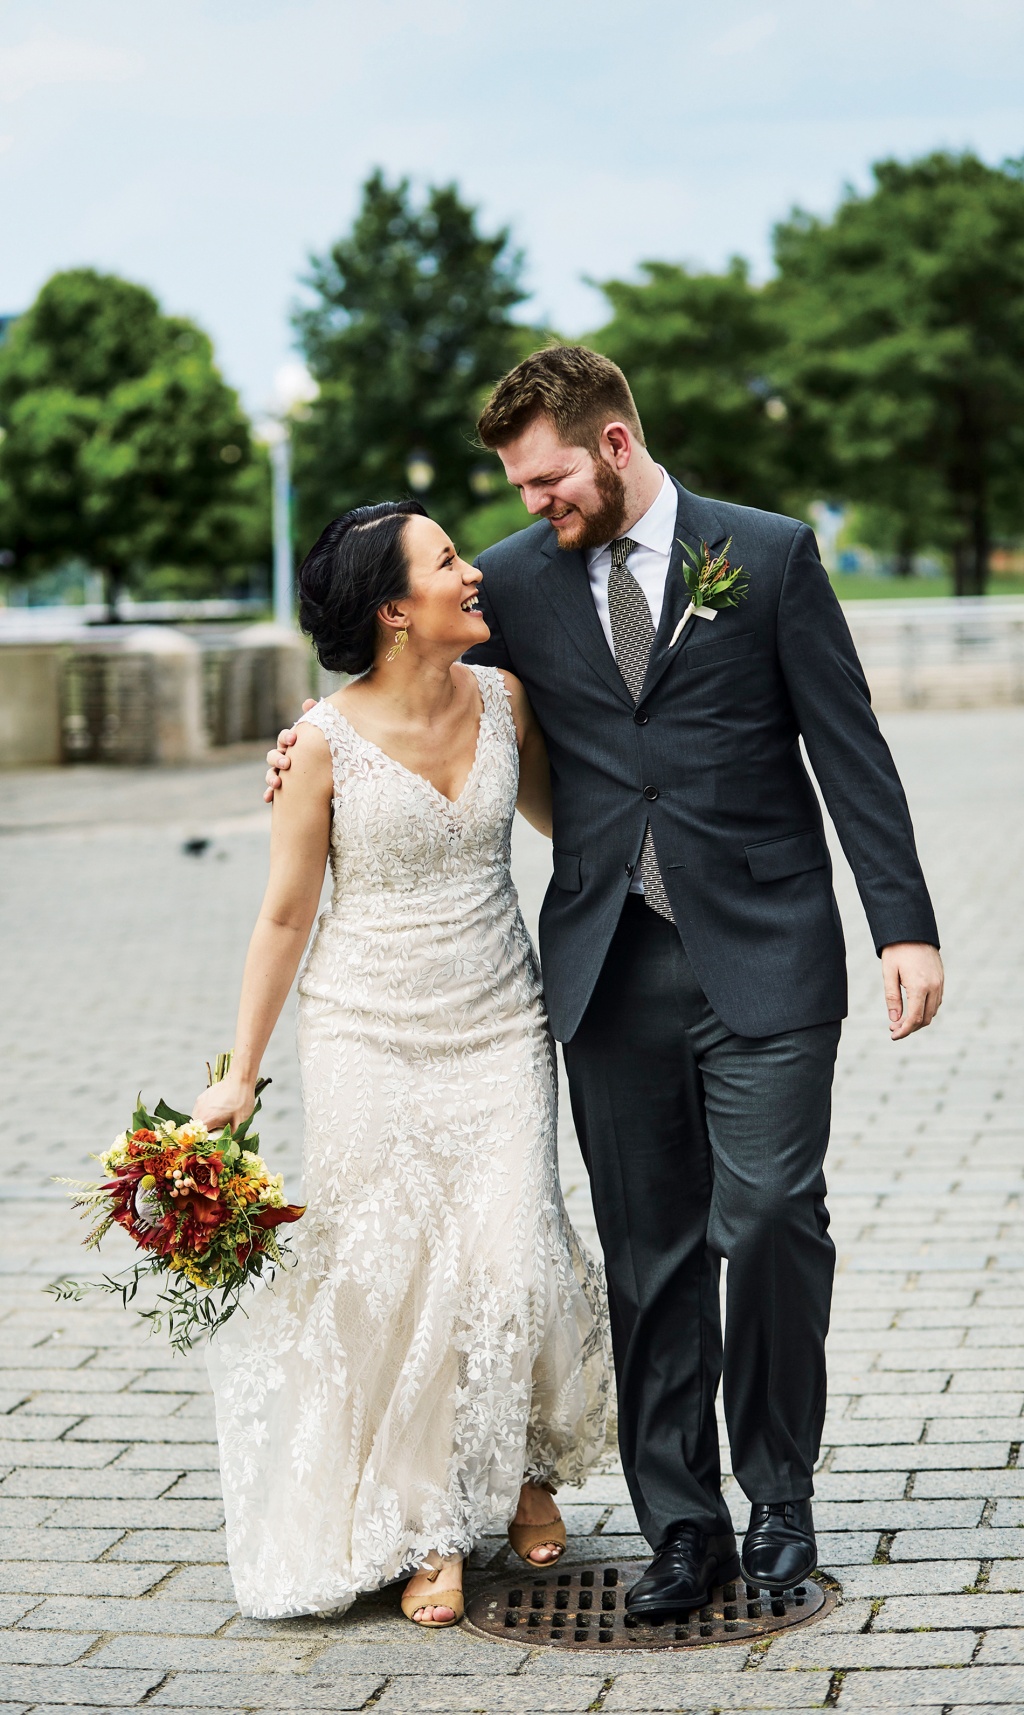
<point>712,583</point>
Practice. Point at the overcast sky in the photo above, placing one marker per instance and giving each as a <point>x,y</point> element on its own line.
<point>205,147</point>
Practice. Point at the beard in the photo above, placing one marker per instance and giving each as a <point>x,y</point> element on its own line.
<point>604,522</point>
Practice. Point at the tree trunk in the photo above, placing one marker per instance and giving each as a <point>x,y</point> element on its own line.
<point>971,554</point>
<point>904,567</point>
<point>113,583</point>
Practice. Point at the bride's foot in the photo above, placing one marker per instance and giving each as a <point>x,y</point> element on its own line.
<point>434,1597</point>
<point>536,1511</point>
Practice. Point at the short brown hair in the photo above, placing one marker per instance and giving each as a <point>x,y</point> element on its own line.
<point>577,388</point>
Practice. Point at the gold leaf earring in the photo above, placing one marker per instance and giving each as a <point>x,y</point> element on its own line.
<point>401,639</point>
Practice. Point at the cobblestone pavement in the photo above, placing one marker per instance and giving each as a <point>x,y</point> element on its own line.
<point>121,959</point>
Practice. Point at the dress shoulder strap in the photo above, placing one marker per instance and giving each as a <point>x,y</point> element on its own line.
<point>494,692</point>
<point>327,720</point>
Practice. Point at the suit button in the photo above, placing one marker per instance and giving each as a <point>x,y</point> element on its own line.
<point>629,869</point>
<point>641,717</point>
<point>650,793</point>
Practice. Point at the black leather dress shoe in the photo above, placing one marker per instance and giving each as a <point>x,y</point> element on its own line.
<point>683,1573</point>
<point>779,1549</point>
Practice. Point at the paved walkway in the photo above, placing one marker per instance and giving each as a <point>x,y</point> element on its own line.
<point>121,960</point>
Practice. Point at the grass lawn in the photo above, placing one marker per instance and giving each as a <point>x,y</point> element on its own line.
<point>860,586</point>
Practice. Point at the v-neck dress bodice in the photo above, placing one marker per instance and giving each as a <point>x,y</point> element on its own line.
<point>442,1333</point>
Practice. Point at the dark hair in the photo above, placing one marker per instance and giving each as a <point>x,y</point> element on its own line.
<point>355,566</point>
<point>577,388</point>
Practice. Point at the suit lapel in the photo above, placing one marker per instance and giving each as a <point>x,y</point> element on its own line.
<point>696,521</point>
<point>566,586</point>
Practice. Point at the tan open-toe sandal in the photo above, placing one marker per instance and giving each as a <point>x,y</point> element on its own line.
<point>446,1597</point>
<point>525,1537</point>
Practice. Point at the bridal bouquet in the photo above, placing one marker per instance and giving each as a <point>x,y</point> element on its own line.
<point>202,1210</point>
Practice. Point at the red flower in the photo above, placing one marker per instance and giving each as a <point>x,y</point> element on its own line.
<point>274,1217</point>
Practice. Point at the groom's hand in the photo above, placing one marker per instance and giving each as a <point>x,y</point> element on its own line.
<point>279,759</point>
<point>913,977</point>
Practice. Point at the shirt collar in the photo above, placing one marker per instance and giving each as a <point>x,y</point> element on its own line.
<point>656,528</point>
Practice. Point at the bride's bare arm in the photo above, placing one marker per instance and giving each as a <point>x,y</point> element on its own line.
<point>534,800</point>
<point>299,841</point>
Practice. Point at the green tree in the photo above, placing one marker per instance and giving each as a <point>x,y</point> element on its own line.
<point>698,350</point>
<point>410,326</point>
<point>122,445</point>
<point>904,364</point>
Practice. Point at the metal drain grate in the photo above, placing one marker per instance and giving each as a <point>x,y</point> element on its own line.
<point>584,1608</point>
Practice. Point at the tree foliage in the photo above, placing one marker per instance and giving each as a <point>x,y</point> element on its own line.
<point>410,325</point>
<point>122,445</point>
<point>903,365</point>
<point>698,350</point>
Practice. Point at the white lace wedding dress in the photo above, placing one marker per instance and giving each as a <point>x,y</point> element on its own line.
<point>442,1333</point>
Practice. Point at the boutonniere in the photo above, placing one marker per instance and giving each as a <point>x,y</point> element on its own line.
<point>712,583</point>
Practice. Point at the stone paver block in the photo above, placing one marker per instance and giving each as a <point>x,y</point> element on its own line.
<point>905,1613</point>
<point>954,1544</point>
<point>25,1426</point>
<point>659,1690</point>
<point>846,1547</point>
<point>1000,1647</point>
<point>45,1544</point>
<point>129,1514</point>
<point>198,1545</point>
<point>13,1607</point>
<point>913,1578</point>
<point>892,1515</point>
<point>217,1655</point>
<point>201,1583</point>
<point>860,1486</point>
<point>123,1614</point>
<point>497,1696</point>
<point>15,1512</point>
<point>119,1687</point>
<point>939,1686</point>
<point>59,1483</point>
<point>44,1649</point>
<point>52,1578</point>
<point>810,1648</point>
<point>990,1484</point>
<point>922,1456</point>
<point>155,1428</point>
<point>62,1455</point>
<point>99,1401</point>
<point>231,1691</point>
<point>154,1456</point>
<point>386,1642</point>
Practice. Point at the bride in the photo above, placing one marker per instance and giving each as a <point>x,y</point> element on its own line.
<point>434,1363</point>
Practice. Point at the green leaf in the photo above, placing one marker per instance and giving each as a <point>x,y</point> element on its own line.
<point>163,1112</point>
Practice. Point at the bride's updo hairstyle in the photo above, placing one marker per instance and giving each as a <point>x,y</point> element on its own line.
<point>356,565</point>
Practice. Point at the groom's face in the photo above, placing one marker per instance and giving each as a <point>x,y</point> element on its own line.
<point>581,494</point>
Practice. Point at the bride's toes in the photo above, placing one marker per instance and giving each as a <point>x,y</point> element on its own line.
<point>434,1616</point>
<point>545,1553</point>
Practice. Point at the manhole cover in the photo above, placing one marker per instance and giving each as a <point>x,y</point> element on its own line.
<point>584,1608</point>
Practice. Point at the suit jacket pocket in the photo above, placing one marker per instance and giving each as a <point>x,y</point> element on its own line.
<point>567,871</point>
<point>771,860</point>
<point>725,649</point>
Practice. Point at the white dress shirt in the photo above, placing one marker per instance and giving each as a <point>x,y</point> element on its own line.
<point>653,535</point>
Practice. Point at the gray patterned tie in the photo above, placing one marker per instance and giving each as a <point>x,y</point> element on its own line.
<point>632,640</point>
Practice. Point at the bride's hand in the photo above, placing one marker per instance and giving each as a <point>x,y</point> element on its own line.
<point>227,1103</point>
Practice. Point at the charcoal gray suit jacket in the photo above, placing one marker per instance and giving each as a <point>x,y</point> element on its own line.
<point>710,755</point>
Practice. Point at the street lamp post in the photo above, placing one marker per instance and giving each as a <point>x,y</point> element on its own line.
<point>294,388</point>
<point>284,560</point>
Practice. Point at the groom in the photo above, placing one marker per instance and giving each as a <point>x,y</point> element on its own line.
<point>693,958</point>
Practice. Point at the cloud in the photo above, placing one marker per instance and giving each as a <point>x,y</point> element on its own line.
<point>51,59</point>
<point>743,38</point>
